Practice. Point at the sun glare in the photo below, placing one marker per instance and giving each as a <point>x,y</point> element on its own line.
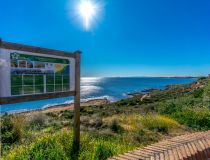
<point>88,11</point>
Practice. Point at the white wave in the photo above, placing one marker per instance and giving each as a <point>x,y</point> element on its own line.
<point>125,94</point>
<point>109,98</point>
<point>50,105</point>
<point>69,102</point>
<point>17,111</point>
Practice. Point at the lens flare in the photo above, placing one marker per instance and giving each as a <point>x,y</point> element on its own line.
<point>88,11</point>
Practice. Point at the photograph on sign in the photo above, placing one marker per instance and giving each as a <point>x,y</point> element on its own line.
<point>35,74</point>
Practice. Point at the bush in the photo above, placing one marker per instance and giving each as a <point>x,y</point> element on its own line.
<point>116,127</point>
<point>97,122</point>
<point>145,137</point>
<point>206,95</point>
<point>37,121</point>
<point>202,78</point>
<point>51,114</point>
<point>198,93</point>
<point>180,104</point>
<point>103,152</point>
<point>158,123</point>
<point>194,119</point>
<point>56,125</point>
<point>92,122</point>
<point>167,108</point>
<point>67,114</point>
<point>7,130</point>
<point>18,126</point>
<point>12,129</point>
<point>47,148</point>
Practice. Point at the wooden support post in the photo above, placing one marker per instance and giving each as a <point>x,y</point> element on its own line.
<point>76,140</point>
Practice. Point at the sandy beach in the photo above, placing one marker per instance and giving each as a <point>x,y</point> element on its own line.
<point>64,107</point>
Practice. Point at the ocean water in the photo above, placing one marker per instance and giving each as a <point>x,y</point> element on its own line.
<point>112,89</point>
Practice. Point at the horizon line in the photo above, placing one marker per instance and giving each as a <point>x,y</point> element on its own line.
<point>142,76</point>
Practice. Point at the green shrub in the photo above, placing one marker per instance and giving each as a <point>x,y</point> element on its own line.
<point>180,104</point>
<point>67,114</point>
<point>47,148</point>
<point>12,129</point>
<point>206,95</point>
<point>194,119</point>
<point>116,127</point>
<point>37,121</point>
<point>103,152</point>
<point>128,102</point>
<point>145,137</point>
<point>198,93</point>
<point>7,130</point>
<point>167,108</point>
<point>52,114</point>
<point>202,78</point>
<point>92,122</point>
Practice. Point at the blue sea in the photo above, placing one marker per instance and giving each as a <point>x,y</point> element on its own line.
<point>112,89</point>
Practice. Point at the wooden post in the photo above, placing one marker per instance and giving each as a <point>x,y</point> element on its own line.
<point>76,140</point>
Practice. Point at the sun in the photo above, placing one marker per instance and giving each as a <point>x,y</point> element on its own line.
<point>88,11</point>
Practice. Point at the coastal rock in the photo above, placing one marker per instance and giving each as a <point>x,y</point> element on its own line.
<point>150,90</point>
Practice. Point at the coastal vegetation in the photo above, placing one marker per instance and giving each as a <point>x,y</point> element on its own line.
<point>111,129</point>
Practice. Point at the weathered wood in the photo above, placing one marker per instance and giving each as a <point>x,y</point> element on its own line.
<point>40,50</point>
<point>191,146</point>
<point>77,104</point>
<point>25,98</point>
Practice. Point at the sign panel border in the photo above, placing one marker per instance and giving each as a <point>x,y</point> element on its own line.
<point>44,52</point>
<point>40,50</point>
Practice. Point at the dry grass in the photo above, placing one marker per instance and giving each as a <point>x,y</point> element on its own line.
<point>18,126</point>
<point>159,123</point>
<point>134,122</point>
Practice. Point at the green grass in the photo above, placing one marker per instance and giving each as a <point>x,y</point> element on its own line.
<point>199,120</point>
<point>59,147</point>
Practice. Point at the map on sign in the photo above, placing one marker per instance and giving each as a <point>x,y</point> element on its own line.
<point>31,74</point>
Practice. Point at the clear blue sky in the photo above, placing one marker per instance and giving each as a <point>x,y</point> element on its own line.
<point>132,38</point>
